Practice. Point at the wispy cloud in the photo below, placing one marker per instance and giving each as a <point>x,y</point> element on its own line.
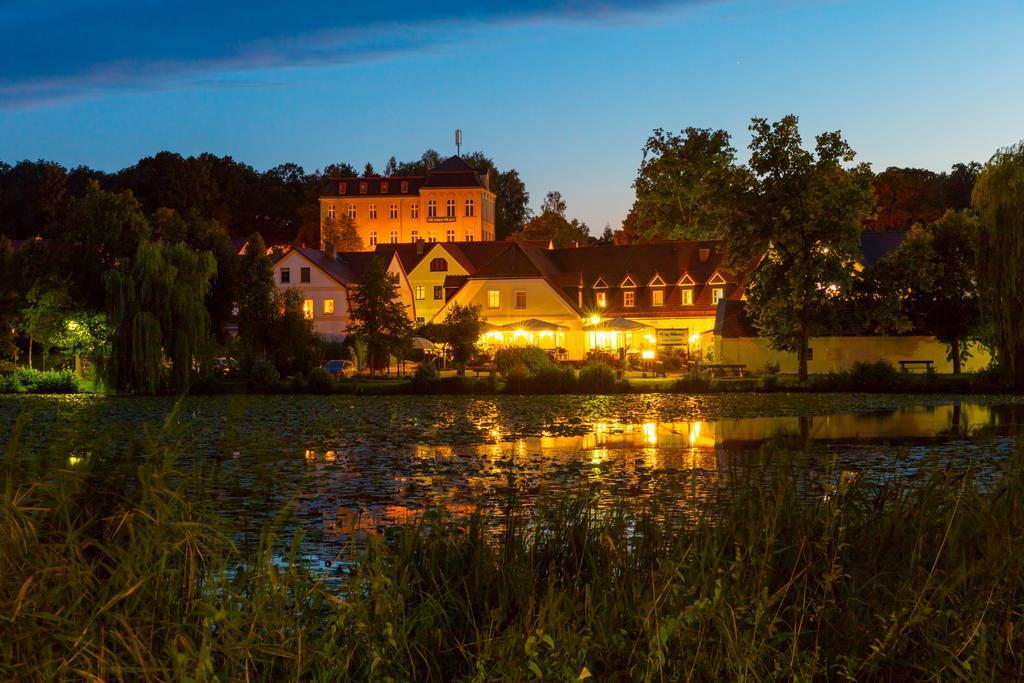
<point>57,51</point>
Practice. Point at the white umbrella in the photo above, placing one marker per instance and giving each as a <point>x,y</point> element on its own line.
<point>421,343</point>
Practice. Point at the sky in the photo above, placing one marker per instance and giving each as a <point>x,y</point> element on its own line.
<point>566,92</point>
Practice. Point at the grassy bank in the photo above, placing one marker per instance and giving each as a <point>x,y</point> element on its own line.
<point>120,571</point>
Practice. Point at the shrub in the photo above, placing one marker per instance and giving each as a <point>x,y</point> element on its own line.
<point>693,382</point>
<point>770,368</point>
<point>264,376</point>
<point>320,381</point>
<point>532,358</point>
<point>28,380</point>
<point>877,376</point>
<point>9,384</point>
<point>596,378</point>
<point>553,380</point>
<point>517,379</point>
<point>426,374</point>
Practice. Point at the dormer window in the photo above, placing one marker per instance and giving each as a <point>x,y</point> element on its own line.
<point>601,298</point>
<point>362,188</point>
<point>687,297</point>
<point>438,265</point>
<point>404,186</point>
<point>657,297</point>
<point>383,187</point>
<point>342,187</point>
<point>629,298</point>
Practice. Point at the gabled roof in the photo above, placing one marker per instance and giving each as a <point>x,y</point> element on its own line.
<point>627,282</point>
<point>599,283</point>
<point>346,267</point>
<point>716,279</point>
<point>686,281</point>
<point>452,172</point>
<point>656,281</point>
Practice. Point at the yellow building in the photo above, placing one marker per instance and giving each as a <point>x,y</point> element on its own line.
<point>452,203</point>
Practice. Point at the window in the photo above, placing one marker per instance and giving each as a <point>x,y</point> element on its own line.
<point>404,186</point>
<point>438,265</point>
<point>362,188</point>
<point>421,292</point>
<point>520,298</point>
<point>470,208</point>
<point>393,211</point>
<point>414,235</point>
<point>342,187</point>
<point>657,297</point>
<point>687,297</point>
<point>438,292</point>
<point>432,235</point>
<point>303,274</point>
<point>286,276</point>
<point>450,208</point>
<point>352,211</point>
<point>330,211</point>
<point>394,237</point>
<point>469,237</point>
<point>493,298</point>
<point>307,309</point>
<point>373,238</point>
<point>629,299</point>
<point>717,294</point>
<point>432,209</point>
<point>450,235</point>
<point>328,306</point>
<point>602,299</point>
<point>383,187</point>
<point>373,212</point>
<point>420,321</point>
<point>414,212</point>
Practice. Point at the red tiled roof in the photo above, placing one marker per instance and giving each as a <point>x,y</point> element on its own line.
<point>452,172</point>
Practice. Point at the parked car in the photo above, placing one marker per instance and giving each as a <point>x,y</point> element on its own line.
<point>345,368</point>
<point>225,366</point>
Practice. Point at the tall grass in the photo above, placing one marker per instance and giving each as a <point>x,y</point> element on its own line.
<point>132,577</point>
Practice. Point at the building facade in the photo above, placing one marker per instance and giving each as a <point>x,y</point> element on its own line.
<point>452,203</point>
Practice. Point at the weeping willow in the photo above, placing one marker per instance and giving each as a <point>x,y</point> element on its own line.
<point>161,327</point>
<point>999,200</point>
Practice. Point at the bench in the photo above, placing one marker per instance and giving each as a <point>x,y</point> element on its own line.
<point>726,369</point>
<point>489,369</point>
<point>907,365</point>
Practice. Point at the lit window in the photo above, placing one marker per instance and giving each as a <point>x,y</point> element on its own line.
<point>352,211</point>
<point>438,292</point>
<point>383,187</point>
<point>328,306</point>
<point>303,274</point>
<point>342,187</point>
<point>307,309</point>
<point>439,265</point>
<point>330,211</point>
<point>717,294</point>
<point>373,212</point>
<point>432,235</point>
<point>393,211</point>
<point>602,300</point>
<point>404,185</point>
<point>470,208</point>
<point>414,211</point>
<point>450,208</point>
<point>421,292</point>
<point>469,237</point>
<point>450,235</point>
<point>394,237</point>
<point>658,297</point>
<point>520,298</point>
<point>414,235</point>
<point>629,299</point>
<point>493,298</point>
<point>687,297</point>
<point>362,188</point>
<point>432,209</point>
<point>286,276</point>
<point>373,238</point>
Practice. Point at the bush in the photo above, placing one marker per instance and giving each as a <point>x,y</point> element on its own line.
<point>770,368</point>
<point>28,380</point>
<point>426,374</point>
<point>553,380</point>
<point>596,378</point>
<point>693,382</point>
<point>517,379</point>
<point>264,376</point>
<point>877,376</point>
<point>532,358</point>
<point>320,381</point>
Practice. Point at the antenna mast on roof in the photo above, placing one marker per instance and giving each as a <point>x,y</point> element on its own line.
<point>458,142</point>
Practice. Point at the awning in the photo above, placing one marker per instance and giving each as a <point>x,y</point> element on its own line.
<point>618,325</point>
<point>533,325</point>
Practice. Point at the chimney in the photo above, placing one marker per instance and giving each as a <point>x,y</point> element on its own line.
<point>419,247</point>
<point>329,250</point>
<point>704,254</point>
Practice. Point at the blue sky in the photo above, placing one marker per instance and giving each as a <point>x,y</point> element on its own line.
<point>566,92</point>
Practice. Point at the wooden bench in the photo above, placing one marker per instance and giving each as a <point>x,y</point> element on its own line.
<point>906,365</point>
<point>726,369</point>
<point>489,369</point>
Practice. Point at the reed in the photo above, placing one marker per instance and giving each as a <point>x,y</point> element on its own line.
<point>133,577</point>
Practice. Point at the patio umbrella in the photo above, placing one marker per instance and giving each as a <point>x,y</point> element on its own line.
<point>618,325</point>
<point>534,325</point>
<point>421,343</point>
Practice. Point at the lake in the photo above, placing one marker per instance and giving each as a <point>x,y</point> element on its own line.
<point>354,465</point>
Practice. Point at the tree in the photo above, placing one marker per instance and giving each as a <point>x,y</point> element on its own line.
<point>459,332</point>
<point>341,232</point>
<point>928,284</point>
<point>689,186</point>
<point>998,198</point>
<point>607,237</point>
<point>295,346</point>
<point>368,171</point>
<point>378,313</point>
<point>905,196</point>
<point>806,222</point>
<point>156,312</point>
<point>552,225</point>
<point>257,299</point>
<point>511,204</point>
<point>9,297</point>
